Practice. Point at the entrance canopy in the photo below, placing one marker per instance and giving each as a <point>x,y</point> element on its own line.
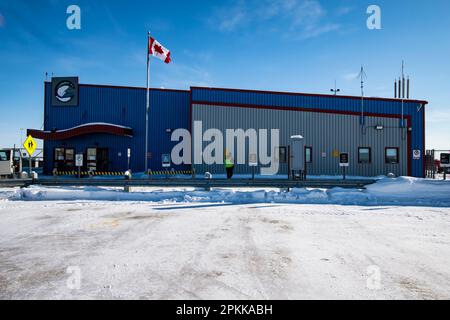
<point>87,128</point>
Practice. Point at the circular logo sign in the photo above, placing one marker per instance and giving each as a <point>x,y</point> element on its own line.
<point>65,91</point>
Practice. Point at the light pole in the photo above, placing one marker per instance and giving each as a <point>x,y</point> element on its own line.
<point>21,137</point>
<point>335,90</point>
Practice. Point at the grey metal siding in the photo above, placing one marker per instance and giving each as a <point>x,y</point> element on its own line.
<point>412,108</point>
<point>324,132</point>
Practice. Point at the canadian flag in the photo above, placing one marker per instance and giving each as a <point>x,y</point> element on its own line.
<point>158,51</point>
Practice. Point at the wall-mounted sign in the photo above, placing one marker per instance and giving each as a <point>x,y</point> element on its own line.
<point>324,154</point>
<point>65,91</point>
<point>416,155</point>
<point>165,160</point>
<point>79,160</point>
<point>343,160</point>
<point>445,160</point>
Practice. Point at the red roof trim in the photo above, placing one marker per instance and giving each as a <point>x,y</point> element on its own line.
<point>81,130</point>
<point>423,102</point>
<point>253,106</point>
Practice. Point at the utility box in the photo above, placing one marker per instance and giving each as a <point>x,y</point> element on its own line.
<point>297,157</point>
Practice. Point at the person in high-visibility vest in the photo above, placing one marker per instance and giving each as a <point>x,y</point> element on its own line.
<point>229,164</point>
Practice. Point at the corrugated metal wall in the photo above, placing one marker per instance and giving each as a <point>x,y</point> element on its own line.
<point>414,109</point>
<point>170,110</point>
<point>122,106</point>
<point>324,132</point>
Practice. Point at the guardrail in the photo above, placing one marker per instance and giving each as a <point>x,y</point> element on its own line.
<point>121,173</point>
<point>206,183</point>
<point>186,182</point>
<point>7,183</point>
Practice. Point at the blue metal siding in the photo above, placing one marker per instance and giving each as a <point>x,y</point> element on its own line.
<point>331,103</point>
<point>168,110</point>
<point>122,106</point>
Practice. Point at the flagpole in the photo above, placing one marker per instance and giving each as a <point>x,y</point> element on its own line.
<point>147,103</point>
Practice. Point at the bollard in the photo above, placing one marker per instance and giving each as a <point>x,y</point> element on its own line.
<point>208,177</point>
<point>126,187</point>
<point>34,175</point>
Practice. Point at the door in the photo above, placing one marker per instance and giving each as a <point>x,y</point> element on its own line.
<point>102,159</point>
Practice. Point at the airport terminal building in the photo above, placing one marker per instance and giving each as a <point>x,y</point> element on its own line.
<point>107,124</point>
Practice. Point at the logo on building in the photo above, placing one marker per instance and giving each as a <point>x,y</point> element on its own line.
<point>65,91</point>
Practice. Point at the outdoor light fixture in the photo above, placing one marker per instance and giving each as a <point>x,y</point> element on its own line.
<point>168,130</point>
<point>379,127</point>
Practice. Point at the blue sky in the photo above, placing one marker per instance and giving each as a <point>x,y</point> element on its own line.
<point>286,45</point>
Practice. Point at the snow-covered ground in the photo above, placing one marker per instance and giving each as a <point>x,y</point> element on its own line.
<point>398,191</point>
<point>227,244</point>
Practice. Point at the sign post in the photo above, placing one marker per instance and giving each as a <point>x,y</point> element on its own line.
<point>343,162</point>
<point>445,163</point>
<point>128,158</point>
<point>253,162</point>
<point>30,145</point>
<point>79,163</point>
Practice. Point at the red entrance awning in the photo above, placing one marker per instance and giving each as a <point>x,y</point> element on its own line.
<point>87,128</point>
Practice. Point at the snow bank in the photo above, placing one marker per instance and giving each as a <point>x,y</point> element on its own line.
<point>398,191</point>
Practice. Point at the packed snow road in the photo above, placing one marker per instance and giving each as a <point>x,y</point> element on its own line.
<point>169,250</point>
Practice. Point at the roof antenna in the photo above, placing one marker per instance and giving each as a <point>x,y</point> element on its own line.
<point>362,75</point>
<point>403,92</point>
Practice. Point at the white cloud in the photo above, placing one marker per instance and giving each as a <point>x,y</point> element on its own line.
<point>315,31</point>
<point>232,21</point>
<point>350,76</point>
<point>229,19</point>
<point>181,76</point>
<point>343,11</point>
<point>304,19</point>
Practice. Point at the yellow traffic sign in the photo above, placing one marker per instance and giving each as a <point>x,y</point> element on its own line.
<point>30,145</point>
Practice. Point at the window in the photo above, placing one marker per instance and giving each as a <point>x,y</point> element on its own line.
<point>92,154</point>
<point>308,154</point>
<point>391,155</point>
<point>5,155</point>
<point>70,154</point>
<point>70,157</point>
<point>64,158</point>
<point>59,154</point>
<point>364,155</point>
<point>91,159</point>
<point>282,154</point>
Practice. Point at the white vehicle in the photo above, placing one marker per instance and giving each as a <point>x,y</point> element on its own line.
<point>6,162</point>
<point>10,162</point>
